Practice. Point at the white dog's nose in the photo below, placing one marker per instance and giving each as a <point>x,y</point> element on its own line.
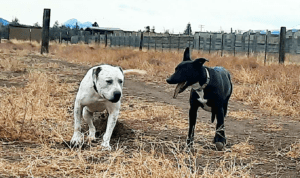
<point>117,96</point>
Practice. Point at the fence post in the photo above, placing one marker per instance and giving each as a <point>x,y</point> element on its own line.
<point>249,45</point>
<point>148,41</point>
<point>243,41</point>
<point>45,32</point>
<point>119,40</point>
<point>222,41</point>
<point>294,43</point>
<point>266,47</point>
<point>111,40</point>
<point>60,37</point>
<point>170,42</point>
<point>129,39</point>
<point>178,42</point>
<point>0,32</point>
<point>282,45</point>
<point>155,42</point>
<point>204,39</point>
<point>105,38</point>
<point>162,43</point>
<point>234,41</point>
<point>124,43</point>
<point>199,47</point>
<point>141,42</point>
<point>209,43</point>
<point>99,39</point>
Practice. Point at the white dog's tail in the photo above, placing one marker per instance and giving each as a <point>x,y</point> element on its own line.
<point>135,71</point>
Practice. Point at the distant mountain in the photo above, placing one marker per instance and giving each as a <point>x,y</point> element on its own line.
<point>72,24</point>
<point>4,22</point>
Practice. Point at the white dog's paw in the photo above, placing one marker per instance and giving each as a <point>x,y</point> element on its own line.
<point>91,138</point>
<point>77,139</point>
<point>106,146</point>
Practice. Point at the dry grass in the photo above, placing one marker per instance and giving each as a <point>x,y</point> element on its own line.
<point>240,115</point>
<point>37,119</point>
<point>274,88</point>
<point>37,110</point>
<point>294,151</point>
<point>40,115</point>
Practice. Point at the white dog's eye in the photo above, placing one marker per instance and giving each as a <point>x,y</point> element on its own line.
<point>109,81</point>
<point>120,81</point>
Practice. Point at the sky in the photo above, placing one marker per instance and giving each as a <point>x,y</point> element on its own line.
<point>172,15</point>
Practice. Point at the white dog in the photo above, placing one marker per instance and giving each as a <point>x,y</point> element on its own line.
<point>100,89</point>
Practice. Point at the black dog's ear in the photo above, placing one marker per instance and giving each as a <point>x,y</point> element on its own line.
<point>186,55</point>
<point>200,61</point>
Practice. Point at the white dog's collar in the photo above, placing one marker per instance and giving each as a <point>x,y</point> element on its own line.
<point>198,87</point>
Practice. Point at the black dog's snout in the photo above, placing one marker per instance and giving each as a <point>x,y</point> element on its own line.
<point>168,80</point>
<point>171,80</point>
<point>117,96</point>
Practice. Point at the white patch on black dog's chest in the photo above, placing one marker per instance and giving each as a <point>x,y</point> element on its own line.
<point>200,93</point>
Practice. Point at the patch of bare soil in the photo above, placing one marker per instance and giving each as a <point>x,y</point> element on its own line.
<point>271,137</point>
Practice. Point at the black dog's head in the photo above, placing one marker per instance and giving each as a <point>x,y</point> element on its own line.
<point>188,71</point>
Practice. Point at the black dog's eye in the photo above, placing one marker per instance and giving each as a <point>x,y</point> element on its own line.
<point>109,81</point>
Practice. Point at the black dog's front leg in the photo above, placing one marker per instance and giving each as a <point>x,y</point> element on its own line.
<point>220,129</point>
<point>192,123</point>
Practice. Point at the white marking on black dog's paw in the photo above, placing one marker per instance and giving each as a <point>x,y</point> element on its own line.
<point>219,146</point>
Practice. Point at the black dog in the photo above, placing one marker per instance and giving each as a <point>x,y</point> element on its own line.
<point>211,90</point>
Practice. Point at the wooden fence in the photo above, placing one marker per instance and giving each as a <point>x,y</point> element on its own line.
<point>210,42</point>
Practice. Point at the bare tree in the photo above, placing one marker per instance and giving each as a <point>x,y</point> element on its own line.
<point>15,21</point>
<point>56,24</point>
<point>36,24</point>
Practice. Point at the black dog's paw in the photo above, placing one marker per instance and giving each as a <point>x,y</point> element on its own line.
<point>219,146</point>
<point>190,142</point>
<point>220,140</point>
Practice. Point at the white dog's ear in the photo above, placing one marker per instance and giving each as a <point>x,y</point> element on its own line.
<point>121,69</point>
<point>95,74</point>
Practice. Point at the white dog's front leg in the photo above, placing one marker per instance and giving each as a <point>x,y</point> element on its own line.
<point>88,116</point>
<point>111,123</point>
<point>77,138</point>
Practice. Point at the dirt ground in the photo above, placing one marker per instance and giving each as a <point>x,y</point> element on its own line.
<point>271,145</point>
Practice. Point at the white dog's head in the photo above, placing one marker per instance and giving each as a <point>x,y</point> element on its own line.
<point>108,82</point>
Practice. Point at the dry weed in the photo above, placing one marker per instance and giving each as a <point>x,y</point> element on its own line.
<point>294,151</point>
<point>240,115</point>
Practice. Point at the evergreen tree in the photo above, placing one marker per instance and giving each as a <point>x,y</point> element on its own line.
<point>95,24</point>
<point>188,30</point>
<point>147,29</point>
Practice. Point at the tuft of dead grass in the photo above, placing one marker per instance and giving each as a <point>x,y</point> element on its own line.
<point>294,151</point>
<point>240,115</point>
<point>35,111</point>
